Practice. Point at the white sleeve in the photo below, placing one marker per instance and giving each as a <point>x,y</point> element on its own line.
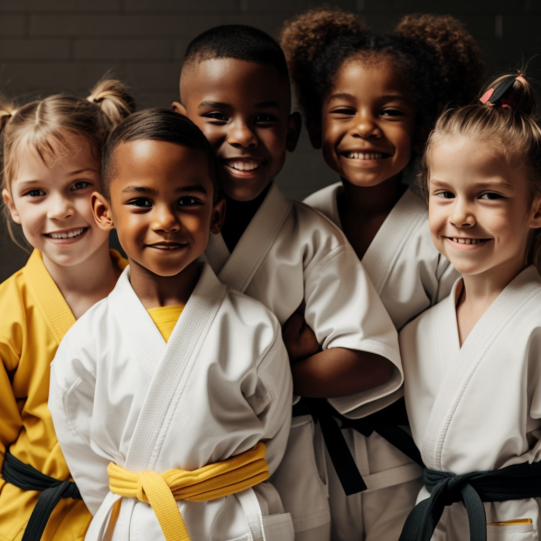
<point>71,399</point>
<point>272,399</point>
<point>344,310</point>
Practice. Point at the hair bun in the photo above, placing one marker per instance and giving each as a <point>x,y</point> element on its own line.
<point>7,110</point>
<point>114,99</point>
<point>511,92</point>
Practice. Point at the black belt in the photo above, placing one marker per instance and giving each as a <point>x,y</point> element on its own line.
<point>385,422</point>
<point>52,491</point>
<point>516,482</point>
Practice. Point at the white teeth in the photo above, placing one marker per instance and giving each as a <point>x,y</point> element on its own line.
<point>365,155</point>
<point>467,241</point>
<point>69,235</point>
<point>240,165</point>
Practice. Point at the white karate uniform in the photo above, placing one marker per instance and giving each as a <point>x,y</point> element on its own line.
<point>220,385</point>
<point>291,254</point>
<point>409,275</point>
<point>478,407</point>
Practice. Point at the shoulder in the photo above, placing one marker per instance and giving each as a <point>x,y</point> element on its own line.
<point>325,201</point>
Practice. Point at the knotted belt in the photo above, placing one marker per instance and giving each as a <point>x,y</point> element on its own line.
<point>516,482</point>
<point>385,422</point>
<point>207,483</point>
<point>52,490</point>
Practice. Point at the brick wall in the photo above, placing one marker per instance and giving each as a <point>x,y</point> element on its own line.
<point>67,45</point>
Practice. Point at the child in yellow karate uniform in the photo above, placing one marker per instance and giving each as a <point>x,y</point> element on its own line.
<point>51,165</point>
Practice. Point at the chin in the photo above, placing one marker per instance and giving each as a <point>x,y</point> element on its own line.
<point>245,193</point>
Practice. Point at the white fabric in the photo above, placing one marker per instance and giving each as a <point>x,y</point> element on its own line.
<point>288,255</point>
<point>478,407</point>
<point>409,275</point>
<point>222,383</point>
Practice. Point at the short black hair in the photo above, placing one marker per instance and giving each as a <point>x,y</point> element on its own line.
<point>158,125</point>
<point>237,41</point>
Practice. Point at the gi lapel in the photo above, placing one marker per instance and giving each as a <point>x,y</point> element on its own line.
<point>457,377</point>
<point>239,269</point>
<point>173,371</point>
<point>389,241</point>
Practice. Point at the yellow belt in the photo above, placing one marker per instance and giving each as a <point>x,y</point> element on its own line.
<point>207,483</point>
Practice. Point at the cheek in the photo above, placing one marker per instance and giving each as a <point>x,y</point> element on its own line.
<point>214,134</point>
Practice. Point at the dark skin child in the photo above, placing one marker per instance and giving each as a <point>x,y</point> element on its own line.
<point>243,108</point>
<point>162,206</point>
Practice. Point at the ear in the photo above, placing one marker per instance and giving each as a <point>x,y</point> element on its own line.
<point>12,210</point>
<point>315,134</point>
<point>102,212</point>
<point>535,220</point>
<point>294,125</point>
<point>218,216</point>
<point>178,108</point>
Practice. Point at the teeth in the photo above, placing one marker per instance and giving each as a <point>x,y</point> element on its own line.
<point>241,165</point>
<point>69,235</point>
<point>365,155</point>
<point>468,241</point>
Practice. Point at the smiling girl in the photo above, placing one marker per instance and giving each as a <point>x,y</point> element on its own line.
<point>472,362</point>
<point>369,102</point>
<point>51,166</point>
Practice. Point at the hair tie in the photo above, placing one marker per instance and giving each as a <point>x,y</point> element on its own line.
<point>492,96</point>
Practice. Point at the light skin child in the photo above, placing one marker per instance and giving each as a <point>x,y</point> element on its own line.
<point>481,213</point>
<point>50,199</point>
<point>247,120</point>
<point>163,208</point>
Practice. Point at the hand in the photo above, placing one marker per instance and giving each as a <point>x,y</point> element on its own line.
<point>299,338</point>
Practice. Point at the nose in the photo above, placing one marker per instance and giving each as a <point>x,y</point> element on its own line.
<point>60,207</point>
<point>165,220</point>
<point>241,135</point>
<point>462,214</point>
<point>366,127</point>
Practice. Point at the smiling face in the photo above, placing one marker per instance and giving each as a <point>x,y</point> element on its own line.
<point>162,205</point>
<point>368,121</point>
<point>480,209</point>
<point>51,201</point>
<point>242,108</point>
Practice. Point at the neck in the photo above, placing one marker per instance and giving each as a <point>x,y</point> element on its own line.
<point>372,200</point>
<point>238,216</point>
<point>87,282</point>
<point>155,291</point>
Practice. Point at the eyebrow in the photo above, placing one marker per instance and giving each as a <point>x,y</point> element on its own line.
<point>84,171</point>
<point>152,191</point>
<point>490,184</point>
<point>213,104</point>
<point>346,95</point>
<point>262,105</point>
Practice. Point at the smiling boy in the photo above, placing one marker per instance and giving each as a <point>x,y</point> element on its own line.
<point>173,380</point>
<point>235,86</point>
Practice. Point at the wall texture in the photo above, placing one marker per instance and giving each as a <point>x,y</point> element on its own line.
<point>48,46</point>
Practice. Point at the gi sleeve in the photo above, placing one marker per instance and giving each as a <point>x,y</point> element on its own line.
<point>71,399</point>
<point>344,310</point>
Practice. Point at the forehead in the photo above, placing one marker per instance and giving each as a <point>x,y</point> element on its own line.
<point>370,76</point>
<point>231,81</point>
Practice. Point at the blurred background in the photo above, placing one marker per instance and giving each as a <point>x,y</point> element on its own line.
<point>48,46</point>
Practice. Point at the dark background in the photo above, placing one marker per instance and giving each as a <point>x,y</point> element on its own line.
<point>47,46</point>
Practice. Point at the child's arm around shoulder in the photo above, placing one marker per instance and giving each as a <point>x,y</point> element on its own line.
<point>71,402</point>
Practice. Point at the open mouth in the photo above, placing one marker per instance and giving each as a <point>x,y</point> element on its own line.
<point>354,155</point>
<point>244,166</point>
<point>67,234</point>
<point>459,240</point>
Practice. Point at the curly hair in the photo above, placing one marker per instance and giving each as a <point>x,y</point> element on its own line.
<point>428,51</point>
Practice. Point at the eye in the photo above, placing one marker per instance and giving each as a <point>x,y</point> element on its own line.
<point>188,201</point>
<point>216,116</point>
<point>140,202</point>
<point>491,196</point>
<point>446,195</point>
<point>80,185</point>
<point>35,193</point>
<point>265,117</point>
<point>347,111</point>
<point>392,112</point>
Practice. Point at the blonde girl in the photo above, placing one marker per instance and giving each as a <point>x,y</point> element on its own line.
<point>50,166</point>
<point>369,102</point>
<point>472,363</point>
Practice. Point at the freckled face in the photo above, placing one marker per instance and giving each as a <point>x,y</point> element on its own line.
<point>480,210</point>
<point>368,122</point>
<point>243,109</point>
<point>51,201</point>
<point>161,200</point>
